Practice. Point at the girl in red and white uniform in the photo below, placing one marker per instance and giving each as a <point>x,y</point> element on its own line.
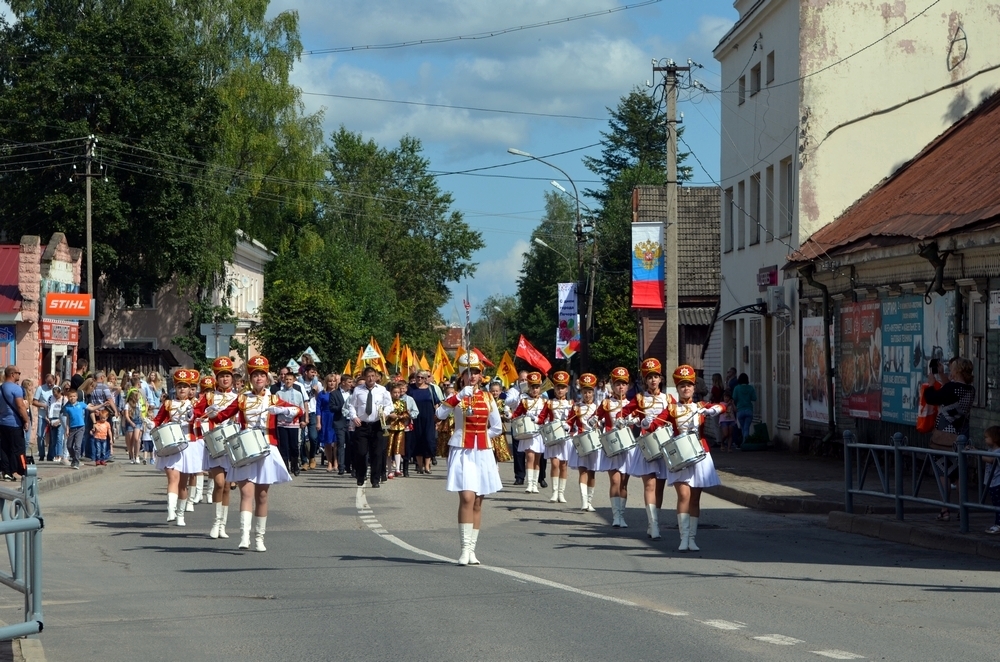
<point>179,466</point>
<point>532,405</point>
<point>472,467</point>
<point>210,404</point>
<point>610,414</point>
<point>557,410</point>
<point>258,409</point>
<point>644,408</point>
<point>196,486</point>
<point>583,419</point>
<point>686,415</point>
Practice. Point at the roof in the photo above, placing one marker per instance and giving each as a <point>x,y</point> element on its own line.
<point>695,316</point>
<point>10,292</point>
<point>698,212</point>
<point>950,186</point>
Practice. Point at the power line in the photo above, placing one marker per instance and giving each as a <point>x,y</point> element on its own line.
<point>445,105</point>
<point>478,35</point>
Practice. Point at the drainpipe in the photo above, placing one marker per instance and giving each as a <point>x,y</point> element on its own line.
<point>808,272</point>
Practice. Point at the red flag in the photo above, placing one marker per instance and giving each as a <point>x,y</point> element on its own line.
<point>482,357</point>
<point>526,351</point>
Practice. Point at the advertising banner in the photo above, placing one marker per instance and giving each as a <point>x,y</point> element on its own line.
<point>902,362</point>
<point>568,332</point>
<point>647,265</point>
<point>814,391</point>
<point>860,359</point>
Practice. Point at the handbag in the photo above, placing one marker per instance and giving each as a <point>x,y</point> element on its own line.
<point>943,441</point>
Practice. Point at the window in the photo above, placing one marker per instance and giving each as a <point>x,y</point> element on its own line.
<point>743,89</point>
<point>787,197</point>
<point>755,79</point>
<point>727,210</point>
<point>741,206</point>
<point>769,204</point>
<point>753,212</point>
<point>144,299</point>
<point>138,343</point>
<point>770,67</point>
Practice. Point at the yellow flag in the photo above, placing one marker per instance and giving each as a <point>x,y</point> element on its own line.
<point>359,363</point>
<point>506,370</point>
<point>438,373</point>
<point>424,365</point>
<point>394,352</point>
<point>458,352</point>
<point>347,368</point>
<point>441,356</point>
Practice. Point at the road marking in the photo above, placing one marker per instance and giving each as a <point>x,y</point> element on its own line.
<point>839,655</point>
<point>724,625</point>
<point>779,639</point>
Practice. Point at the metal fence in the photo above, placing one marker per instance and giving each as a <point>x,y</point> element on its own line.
<point>933,471</point>
<point>21,524</point>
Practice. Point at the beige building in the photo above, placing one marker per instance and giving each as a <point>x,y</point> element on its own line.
<point>152,323</point>
<point>820,102</point>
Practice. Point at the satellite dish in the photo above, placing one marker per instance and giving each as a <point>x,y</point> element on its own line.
<point>251,307</point>
<point>244,281</point>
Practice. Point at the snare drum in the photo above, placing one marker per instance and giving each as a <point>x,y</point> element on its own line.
<point>215,439</point>
<point>587,443</point>
<point>650,444</point>
<point>683,451</point>
<point>523,427</point>
<point>169,439</point>
<point>618,441</point>
<point>247,447</point>
<point>554,433</point>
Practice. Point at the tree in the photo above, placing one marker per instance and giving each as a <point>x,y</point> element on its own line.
<point>493,332</point>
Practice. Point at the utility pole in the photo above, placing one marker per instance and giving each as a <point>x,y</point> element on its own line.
<point>670,232</point>
<point>90,260</point>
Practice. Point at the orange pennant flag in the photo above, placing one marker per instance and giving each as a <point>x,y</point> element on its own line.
<point>424,365</point>
<point>506,371</point>
<point>394,352</point>
<point>347,368</point>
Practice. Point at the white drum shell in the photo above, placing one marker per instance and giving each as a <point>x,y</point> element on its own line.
<point>523,427</point>
<point>169,439</point>
<point>215,439</point>
<point>651,444</point>
<point>587,443</point>
<point>618,441</point>
<point>554,433</point>
<point>247,447</point>
<point>682,451</point>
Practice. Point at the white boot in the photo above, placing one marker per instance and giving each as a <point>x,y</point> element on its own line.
<point>529,477</point>
<point>590,500</point>
<point>653,515</point>
<point>684,526</point>
<point>585,504</point>
<point>562,490</point>
<point>171,506</point>
<point>692,532</point>
<point>245,517</point>
<point>259,526</point>
<point>465,536</point>
<point>214,532</point>
<point>616,515</point>
<point>555,490</point>
<point>621,513</point>
<point>473,539</point>
<point>181,505</point>
<point>199,488</point>
<point>534,482</point>
<point>222,522</point>
<point>189,502</point>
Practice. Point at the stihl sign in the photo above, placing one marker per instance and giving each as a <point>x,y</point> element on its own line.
<point>68,306</point>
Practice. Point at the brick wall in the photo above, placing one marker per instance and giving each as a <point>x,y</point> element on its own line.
<point>29,277</point>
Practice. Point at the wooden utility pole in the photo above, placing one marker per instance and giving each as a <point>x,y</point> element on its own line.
<point>90,261</point>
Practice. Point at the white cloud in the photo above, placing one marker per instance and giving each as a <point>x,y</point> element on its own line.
<point>500,276</point>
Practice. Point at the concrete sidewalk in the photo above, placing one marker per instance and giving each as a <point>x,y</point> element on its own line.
<point>785,482</point>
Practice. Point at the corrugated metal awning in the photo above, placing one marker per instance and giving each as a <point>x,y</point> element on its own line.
<point>695,316</point>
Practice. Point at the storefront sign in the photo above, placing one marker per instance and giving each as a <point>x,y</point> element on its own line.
<point>767,277</point>
<point>64,333</point>
<point>65,306</point>
<point>860,381</point>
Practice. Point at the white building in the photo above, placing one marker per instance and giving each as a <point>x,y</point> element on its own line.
<point>820,102</point>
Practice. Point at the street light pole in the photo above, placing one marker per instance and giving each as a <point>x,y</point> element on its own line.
<point>584,337</point>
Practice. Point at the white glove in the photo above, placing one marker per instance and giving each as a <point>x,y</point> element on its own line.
<point>593,422</point>
<point>709,411</point>
<point>277,410</point>
<point>466,392</point>
<point>646,422</point>
<point>621,423</point>
<point>565,426</point>
<point>212,410</point>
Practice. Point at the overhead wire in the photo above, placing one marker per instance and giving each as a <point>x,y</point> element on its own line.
<point>502,111</point>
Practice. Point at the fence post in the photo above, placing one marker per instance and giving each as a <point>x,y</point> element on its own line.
<point>898,441</point>
<point>848,472</point>
<point>963,483</point>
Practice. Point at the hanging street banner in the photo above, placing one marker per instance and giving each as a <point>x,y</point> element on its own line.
<point>647,265</point>
<point>814,391</point>
<point>568,332</point>
<point>860,348</point>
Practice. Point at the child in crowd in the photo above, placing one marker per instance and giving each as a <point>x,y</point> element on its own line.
<point>992,438</point>
<point>74,415</point>
<point>101,432</point>
<point>133,424</point>
<point>727,422</point>
<point>146,443</point>
<point>55,429</point>
<point>400,420</point>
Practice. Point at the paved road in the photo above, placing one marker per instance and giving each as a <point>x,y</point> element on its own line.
<point>340,582</point>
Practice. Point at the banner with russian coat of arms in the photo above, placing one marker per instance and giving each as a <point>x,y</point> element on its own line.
<point>647,265</point>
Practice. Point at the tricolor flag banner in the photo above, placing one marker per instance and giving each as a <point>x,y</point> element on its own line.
<point>568,332</point>
<point>647,265</point>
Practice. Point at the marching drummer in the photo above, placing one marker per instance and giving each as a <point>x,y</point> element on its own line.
<point>178,466</point>
<point>645,408</point>
<point>258,410</point>
<point>610,414</point>
<point>210,404</point>
<point>557,410</point>
<point>583,419</point>
<point>531,405</point>
<point>205,385</point>
<point>688,416</point>
<point>472,469</point>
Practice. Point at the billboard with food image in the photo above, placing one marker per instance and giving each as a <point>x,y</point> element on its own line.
<point>860,371</point>
<point>814,386</point>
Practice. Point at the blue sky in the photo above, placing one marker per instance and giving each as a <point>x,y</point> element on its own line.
<point>578,68</point>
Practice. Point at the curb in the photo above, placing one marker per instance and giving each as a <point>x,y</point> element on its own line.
<point>774,504</point>
<point>908,534</point>
<point>70,477</point>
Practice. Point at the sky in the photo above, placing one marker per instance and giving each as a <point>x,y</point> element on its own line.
<point>578,67</point>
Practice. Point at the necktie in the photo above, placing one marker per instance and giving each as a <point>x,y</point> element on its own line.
<point>368,405</point>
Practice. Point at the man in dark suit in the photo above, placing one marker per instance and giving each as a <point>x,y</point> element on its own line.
<point>337,401</point>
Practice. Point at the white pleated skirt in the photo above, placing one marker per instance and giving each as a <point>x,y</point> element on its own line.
<point>267,471</point>
<point>473,470</point>
<point>637,465</point>
<point>589,462</point>
<point>534,444</point>
<point>215,462</point>
<point>560,451</point>
<point>191,460</point>
<point>605,462</point>
<point>702,474</point>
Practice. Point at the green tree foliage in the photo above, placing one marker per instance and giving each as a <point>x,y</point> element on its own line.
<point>203,311</point>
<point>494,331</point>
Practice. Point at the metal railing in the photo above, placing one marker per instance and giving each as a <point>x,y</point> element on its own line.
<point>938,466</point>
<point>21,524</point>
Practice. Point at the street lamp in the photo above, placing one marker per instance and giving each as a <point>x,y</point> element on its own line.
<point>584,336</point>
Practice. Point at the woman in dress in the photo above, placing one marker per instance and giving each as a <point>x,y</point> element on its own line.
<point>687,416</point>
<point>472,469</point>
<point>644,408</point>
<point>557,410</point>
<point>421,439</point>
<point>210,404</point>
<point>325,432</point>
<point>609,412</point>
<point>583,419</point>
<point>178,410</point>
<point>258,409</point>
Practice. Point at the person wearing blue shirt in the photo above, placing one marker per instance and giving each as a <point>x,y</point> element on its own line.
<point>14,425</point>
<point>74,415</point>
